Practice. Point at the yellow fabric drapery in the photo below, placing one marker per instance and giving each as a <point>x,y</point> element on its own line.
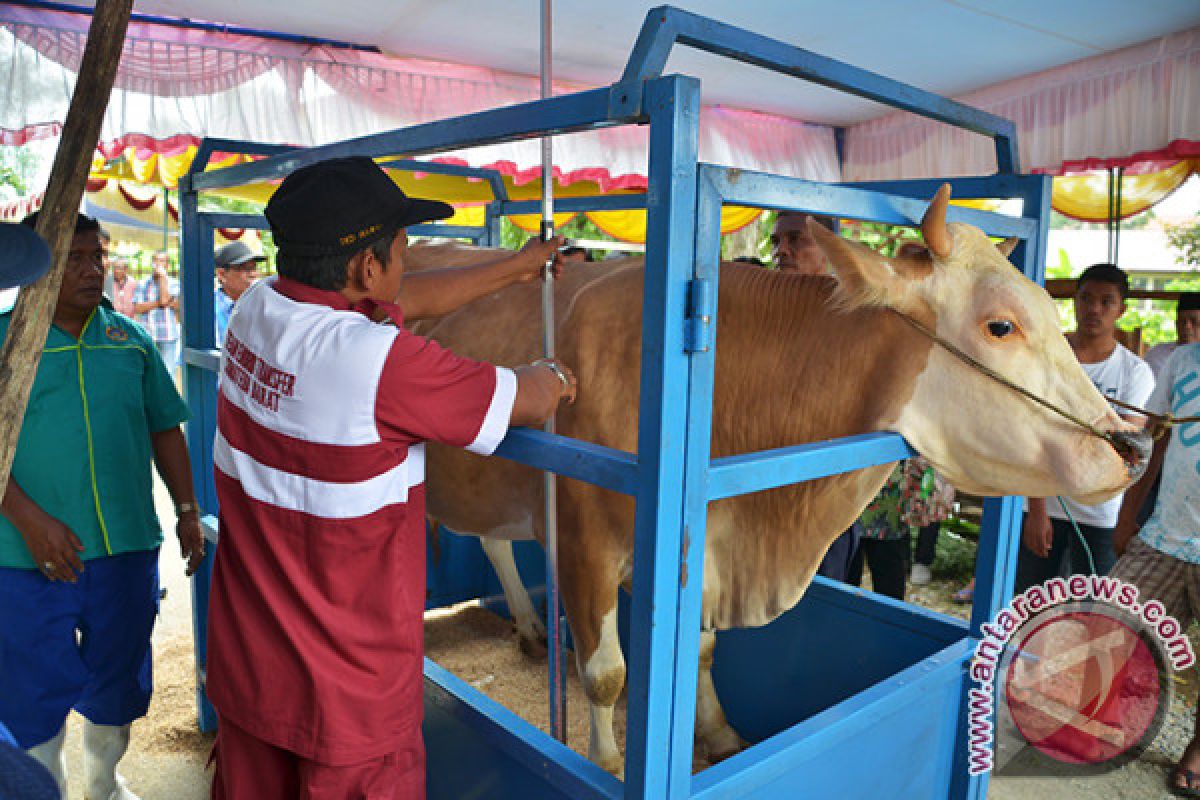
<point>1086,197</point>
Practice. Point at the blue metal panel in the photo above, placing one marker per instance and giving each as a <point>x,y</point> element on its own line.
<point>753,472</point>
<point>563,114</point>
<point>666,25</point>
<point>475,747</point>
<point>654,718</point>
<point>762,190</point>
<point>892,740</point>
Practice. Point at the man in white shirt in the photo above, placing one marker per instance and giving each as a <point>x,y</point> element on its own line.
<point>1048,538</point>
<point>1163,559</point>
<point>1187,330</point>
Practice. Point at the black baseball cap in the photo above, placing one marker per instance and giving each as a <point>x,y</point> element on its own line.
<point>341,206</point>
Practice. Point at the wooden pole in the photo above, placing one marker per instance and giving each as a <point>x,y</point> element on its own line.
<point>22,348</point>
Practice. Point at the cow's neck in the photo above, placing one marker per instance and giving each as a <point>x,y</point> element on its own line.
<point>791,369</point>
<point>797,370</point>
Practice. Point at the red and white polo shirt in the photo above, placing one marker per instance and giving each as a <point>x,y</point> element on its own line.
<point>315,621</point>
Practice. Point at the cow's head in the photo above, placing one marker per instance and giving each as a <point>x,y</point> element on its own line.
<point>983,436</point>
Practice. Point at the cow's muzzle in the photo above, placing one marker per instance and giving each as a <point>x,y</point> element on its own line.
<point>1134,448</point>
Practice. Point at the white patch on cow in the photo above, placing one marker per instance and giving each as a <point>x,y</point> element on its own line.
<point>603,679</point>
<point>714,736</point>
<point>530,628</point>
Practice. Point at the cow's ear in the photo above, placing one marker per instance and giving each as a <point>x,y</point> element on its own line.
<point>865,277</point>
<point>1007,246</point>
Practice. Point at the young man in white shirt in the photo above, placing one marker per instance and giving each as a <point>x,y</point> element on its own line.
<point>1048,538</point>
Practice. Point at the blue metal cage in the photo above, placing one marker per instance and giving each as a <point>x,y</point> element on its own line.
<point>818,698</point>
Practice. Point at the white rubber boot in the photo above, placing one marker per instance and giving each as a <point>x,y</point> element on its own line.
<point>103,747</point>
<point>51,756</point>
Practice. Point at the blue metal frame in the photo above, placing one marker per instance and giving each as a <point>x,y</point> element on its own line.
<point>671,476</point>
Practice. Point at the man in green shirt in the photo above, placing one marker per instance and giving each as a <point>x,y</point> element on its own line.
<point>79,537</point>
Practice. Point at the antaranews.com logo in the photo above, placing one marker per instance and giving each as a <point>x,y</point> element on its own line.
<point>1074,671</point>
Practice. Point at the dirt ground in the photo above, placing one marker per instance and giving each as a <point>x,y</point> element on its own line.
<point>168,754</point>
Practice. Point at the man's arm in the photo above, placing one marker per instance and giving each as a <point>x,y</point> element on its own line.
<point>1037,533</point>
<point>1135,497</point>
<point>433,293</point>
<point>50,542</point>
<point>171,458</point>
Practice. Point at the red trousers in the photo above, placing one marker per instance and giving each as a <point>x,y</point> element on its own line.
<point>247,768</point>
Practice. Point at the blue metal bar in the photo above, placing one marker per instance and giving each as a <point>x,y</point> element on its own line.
<point>610,202</point>
<point>209,359</point>
<point>762,190</point>
<point>704,271</point>
<point>602,466</point>
<point>754,472</point>
<point>229,219</point>
<point>563,114</point>
<point>179,22</point>
<point>210,145</point>
<point>654,719</point>
<point>1000,537</point>
<point>665,25</point>
<point>562,767</point>
<point>200,387</point>
<point>474,232</point>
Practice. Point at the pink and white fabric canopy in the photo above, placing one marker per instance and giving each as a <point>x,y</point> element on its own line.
<point>175,85</point>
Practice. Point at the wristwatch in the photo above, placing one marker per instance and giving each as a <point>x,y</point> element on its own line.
<point>186,508</point>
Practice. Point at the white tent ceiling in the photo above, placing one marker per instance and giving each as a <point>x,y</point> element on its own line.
<point>947,46</point>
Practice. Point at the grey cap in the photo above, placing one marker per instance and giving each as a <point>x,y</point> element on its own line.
<point>235,253</point>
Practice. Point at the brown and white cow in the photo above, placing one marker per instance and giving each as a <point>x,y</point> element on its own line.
<point>799,359</point>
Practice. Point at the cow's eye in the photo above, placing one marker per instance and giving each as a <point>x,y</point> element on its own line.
<point>1000,328</point>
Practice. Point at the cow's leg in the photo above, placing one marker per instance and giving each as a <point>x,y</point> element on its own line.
<point>603,673</point>
<point>715,739</point>
<point>531,631</point>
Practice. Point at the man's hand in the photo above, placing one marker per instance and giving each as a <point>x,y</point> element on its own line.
<point>541,386</point>
<point>191,540</point>
<point>1123,534</point>
<point>528,262</point>
<point>54,547</point>
<point>1038,534</point>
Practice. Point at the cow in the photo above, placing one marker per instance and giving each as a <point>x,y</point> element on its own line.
<point>798,359</point>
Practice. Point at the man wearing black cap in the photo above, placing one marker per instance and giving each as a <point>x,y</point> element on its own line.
<point>325,400</point>
<point>237,268</point>
<point>1187,330</point>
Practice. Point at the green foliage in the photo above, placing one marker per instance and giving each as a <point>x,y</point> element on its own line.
<point>955,555</point>
<point>1185,239</point>
<point>18,166</point>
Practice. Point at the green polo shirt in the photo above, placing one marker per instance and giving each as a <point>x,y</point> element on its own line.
<point>84,453</point>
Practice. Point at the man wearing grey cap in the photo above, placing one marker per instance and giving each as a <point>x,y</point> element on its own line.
<point>237,270</point>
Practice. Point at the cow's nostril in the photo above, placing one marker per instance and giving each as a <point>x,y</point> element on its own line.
<point>1134,447</point>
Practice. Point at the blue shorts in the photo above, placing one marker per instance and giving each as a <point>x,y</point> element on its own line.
<point>83,645</point>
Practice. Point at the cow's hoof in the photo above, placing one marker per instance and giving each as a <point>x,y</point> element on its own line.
<point>534,647</point>
<point>722,746</point>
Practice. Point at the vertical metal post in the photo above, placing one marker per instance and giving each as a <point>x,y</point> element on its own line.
<point>654,767</point>
<point>200,390</point>
<point>556,672</point>
<point>1000,536</point>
